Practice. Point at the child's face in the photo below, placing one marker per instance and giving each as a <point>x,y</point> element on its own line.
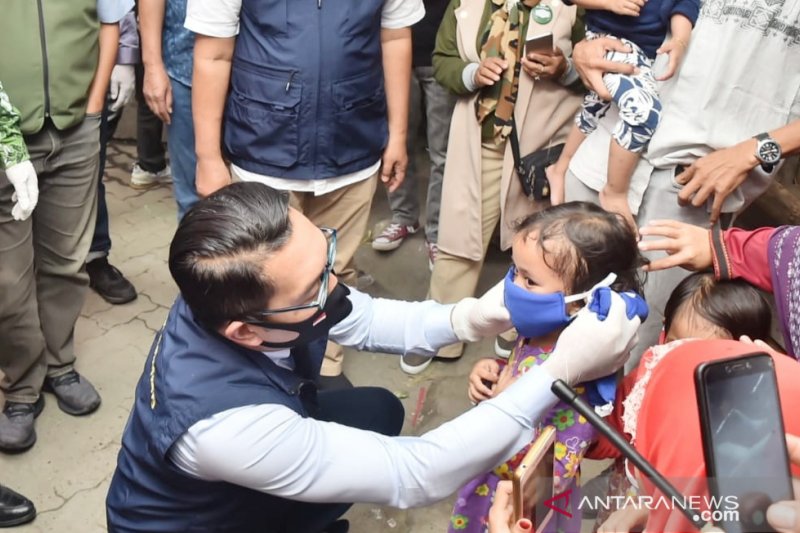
<point>533,274</point>
<point>688,324</point>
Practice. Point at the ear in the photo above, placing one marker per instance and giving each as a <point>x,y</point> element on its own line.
<point>242,334</point>
<point>574,307</point>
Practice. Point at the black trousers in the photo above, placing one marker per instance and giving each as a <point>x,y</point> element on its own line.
<point>368,408</point>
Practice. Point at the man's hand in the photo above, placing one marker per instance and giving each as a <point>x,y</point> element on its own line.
<point>26,189</point>
<point>393,164</point>
<point>598,341</point>
<point>489,71</point>
<point>630,8</point>
<point>157,91</point>
<point>589,58</point>
<point>676,48</point>
<point>121,87</point>
<point>545,66</point>
<point>687,245</point>
<point>212,175</point>
<point>473,319</point>
<point>718,174</point>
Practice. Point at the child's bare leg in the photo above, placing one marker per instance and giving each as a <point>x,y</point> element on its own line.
<point>614,196</point>
<point>556,173</point>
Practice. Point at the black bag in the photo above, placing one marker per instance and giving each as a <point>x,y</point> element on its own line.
<point>530,169</point>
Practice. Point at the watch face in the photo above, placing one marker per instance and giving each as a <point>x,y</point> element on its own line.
<point>769,152</point>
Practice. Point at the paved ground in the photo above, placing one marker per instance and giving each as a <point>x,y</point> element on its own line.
<point>68,471</point>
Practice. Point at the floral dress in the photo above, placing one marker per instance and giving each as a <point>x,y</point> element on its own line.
<point>573,436</point>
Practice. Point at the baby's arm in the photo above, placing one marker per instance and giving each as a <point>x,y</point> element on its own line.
<point>681,32</point>
<point>630,8</point>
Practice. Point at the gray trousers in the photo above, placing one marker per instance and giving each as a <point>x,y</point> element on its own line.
<point>432,105</point>
<point>660,201</point>
<point>42,279</point>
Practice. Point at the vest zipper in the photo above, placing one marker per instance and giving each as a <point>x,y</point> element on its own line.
<point>45,68</point>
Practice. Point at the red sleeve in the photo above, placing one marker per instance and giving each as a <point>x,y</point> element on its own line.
<point>743,254</point>
<point>602,447</point>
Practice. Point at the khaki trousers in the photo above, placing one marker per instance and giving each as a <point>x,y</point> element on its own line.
<point>346,210</point>
<point>453,277</point>
<point>42,277</point>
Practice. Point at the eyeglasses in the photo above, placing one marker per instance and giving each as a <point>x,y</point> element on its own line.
<point>322,296</point>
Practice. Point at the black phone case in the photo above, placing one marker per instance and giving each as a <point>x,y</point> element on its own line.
<point>703,405</point>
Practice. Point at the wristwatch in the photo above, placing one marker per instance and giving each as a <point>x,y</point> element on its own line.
<point>768,151</point>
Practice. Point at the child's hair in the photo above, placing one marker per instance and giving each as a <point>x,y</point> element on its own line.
<point>583,243</point>
<point>733,306</point>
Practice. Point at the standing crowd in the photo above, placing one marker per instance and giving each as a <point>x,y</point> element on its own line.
<point>641,127</point>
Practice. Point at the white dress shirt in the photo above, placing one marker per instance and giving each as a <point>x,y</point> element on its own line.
<point>272,449</point>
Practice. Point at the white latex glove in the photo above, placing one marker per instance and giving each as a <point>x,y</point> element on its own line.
<point>590,348</point>
<point>474,319</point>
<point>121,87</point>
<point>26,189</point>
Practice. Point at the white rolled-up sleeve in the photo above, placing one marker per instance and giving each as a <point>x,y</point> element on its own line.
<point>395,326</point>
<point>272,449</point>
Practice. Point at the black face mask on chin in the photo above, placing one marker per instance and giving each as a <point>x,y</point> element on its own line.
<point>336,308</point>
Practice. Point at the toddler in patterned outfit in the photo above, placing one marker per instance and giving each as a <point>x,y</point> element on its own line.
<point>641,25</point>
<point>560,255</point>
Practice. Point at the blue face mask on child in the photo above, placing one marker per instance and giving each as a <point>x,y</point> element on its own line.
<point>536,315</point>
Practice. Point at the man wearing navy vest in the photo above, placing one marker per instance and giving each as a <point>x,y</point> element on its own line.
<point>228,431</point>
<point>317,105</point>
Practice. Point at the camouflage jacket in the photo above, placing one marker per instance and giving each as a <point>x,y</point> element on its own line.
<point>12,145</point>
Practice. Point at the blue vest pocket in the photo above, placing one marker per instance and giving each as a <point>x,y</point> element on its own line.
<point>360,128</point>
<point>262,115</point>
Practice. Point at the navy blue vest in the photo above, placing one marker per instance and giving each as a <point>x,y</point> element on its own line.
<point>190,375</point>
<point>307,98</point>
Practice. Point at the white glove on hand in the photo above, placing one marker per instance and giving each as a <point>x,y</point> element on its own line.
<point>590,348</point>
<point>474,319</point>
<point>121,87</point>
<point>26,189</point>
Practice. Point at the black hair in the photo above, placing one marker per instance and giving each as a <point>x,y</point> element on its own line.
<point>731,305</point>
<point>583,243</point>
<point>217,254</point>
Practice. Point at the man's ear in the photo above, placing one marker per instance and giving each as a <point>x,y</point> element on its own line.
<point>242,334</point>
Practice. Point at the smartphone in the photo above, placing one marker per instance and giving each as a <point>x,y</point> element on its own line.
<point>540,44</point>
<point>744,440</point>
<point>533,480</point>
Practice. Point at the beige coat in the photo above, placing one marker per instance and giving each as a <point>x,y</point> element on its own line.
<point>544,113</point>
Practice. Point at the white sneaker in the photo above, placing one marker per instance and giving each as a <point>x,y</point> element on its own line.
<point>414,364</point>
<point>142,179</point>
